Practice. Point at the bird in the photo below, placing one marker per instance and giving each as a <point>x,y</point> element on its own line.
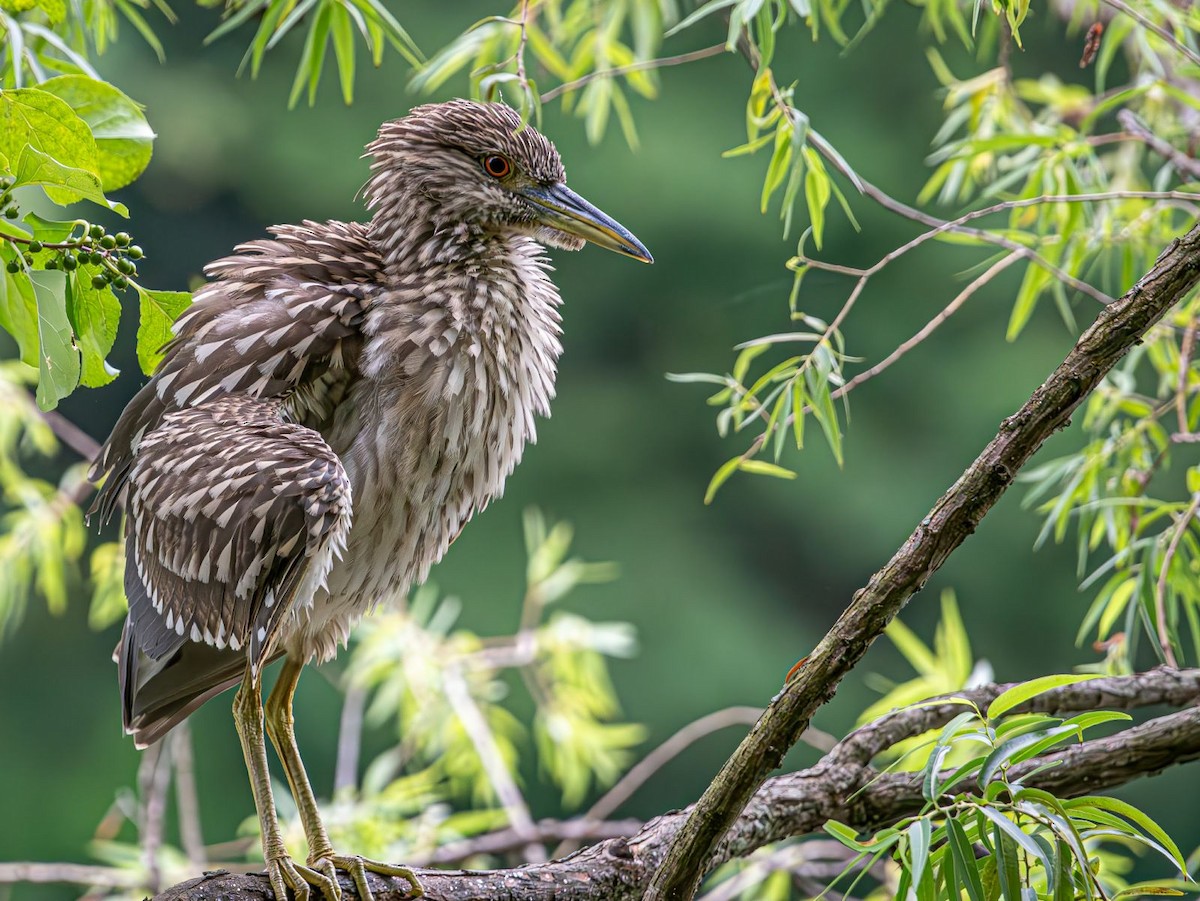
<point>335,404</point>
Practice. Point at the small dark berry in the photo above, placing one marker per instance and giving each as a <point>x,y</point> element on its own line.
<point>135,252</point>
<point>51,264</point>
<point>12,213</point>
<point>124,266</point>
<point>5,199</point>
<point>95,258</point>
<point>108,242</point>
<point>13,266</point>
<point>69,262</point>
<point>28,259</point>
<point>35,246</point>
<point>99,281</point>
<point>96,231</point>
<point>120,283</point>
<point>123,239</point>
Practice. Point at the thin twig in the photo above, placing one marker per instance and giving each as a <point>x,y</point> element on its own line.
<point>154,777</point>
<point>71,873</point>
<point>926,330</point>
<point>71,435</point>
<point>1183,163</point>
<point>660,757</point>
<point>1186,347</point>
<point>1122,6</point>
<point>345,771</point>
<point>191,834</point>
<point>494,767</point>
<point>505,841</point>
<point>1160,590</point>
<point>660,63</point>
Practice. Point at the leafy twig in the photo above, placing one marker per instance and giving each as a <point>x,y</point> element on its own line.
<point>617,71</point>
<point>1160,590</point>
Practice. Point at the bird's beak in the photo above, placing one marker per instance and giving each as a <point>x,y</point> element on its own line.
<point>563,209</point>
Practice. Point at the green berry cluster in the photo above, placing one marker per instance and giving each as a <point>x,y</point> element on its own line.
<point>7,206</point>
<point>110,258</point>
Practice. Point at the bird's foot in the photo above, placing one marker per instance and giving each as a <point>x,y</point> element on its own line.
<point>357,868</point>
<point>286,874</point>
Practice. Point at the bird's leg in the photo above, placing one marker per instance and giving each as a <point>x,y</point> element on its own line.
<point>321,856</point>
<point>283,872</point>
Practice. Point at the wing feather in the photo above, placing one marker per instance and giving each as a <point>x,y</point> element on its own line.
<point>234,516</point>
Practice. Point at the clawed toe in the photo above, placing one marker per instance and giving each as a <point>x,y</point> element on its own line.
<point>286,874</point>
<point>357,868</point>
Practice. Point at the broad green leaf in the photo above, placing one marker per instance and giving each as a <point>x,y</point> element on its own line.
<point>47,124</point>
<point>94,314</point>
<point>124,139</point>
<point>1019,694</point>
<point>157,310</point>
<point>18,313</point>
<point>63,184</point>
<point>58,357</point>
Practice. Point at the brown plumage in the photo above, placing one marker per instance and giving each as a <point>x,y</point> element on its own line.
<point>335,405</point>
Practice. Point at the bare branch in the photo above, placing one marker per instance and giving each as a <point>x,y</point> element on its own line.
<point>1185,164</point>
<point>191,835</point>
<point>1160,590</point>
<point>345,771</point>
<point>843,785</point>
<point>1184,49</point>
<point>476,727</point>
<point>936,536</point>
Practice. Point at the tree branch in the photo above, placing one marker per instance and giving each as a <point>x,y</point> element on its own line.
<point>955,516</point>
<point>843,785</point>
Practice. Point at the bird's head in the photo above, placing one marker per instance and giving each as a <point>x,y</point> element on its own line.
<point>479,169</point>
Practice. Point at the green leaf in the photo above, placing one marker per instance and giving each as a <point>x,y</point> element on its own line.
<point>18,314</point>
<point>728,468</point>
<point>94,315</point>
<point>58,357</point>
<point>1022,748</point>
<point>157,310</point>
<point>17,6</point>
<point>46,124</point>
<point>1008,868</point>
<point>918,842</point>
<point>343,50</point>
<point>965,864</point>
<point>63,184</point>
<point>124,139</point>
<point>1019,694</point>
<point>1143,822</point>
<point>761,467</point>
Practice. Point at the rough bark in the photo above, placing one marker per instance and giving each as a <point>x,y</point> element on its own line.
<point>955,516</point>
<point>843,785</point>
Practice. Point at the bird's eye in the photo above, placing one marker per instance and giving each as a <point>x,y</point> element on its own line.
<point>496,166</point>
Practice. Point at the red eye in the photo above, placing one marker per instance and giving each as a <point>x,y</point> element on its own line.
<point>496,166</point>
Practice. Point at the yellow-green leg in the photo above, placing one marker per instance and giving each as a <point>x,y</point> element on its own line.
<point>321,856</point>
<point>283,872</point>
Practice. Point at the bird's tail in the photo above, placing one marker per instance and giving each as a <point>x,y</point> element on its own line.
<point>158,694</point>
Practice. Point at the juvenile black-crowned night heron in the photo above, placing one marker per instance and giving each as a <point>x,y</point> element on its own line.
<point>335,405</point>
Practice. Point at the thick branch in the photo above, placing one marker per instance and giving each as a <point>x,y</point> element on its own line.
<point>955,516</point>
<point>843,785</point>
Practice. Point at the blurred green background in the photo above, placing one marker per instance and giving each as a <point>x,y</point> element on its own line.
<point>725,598</point>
